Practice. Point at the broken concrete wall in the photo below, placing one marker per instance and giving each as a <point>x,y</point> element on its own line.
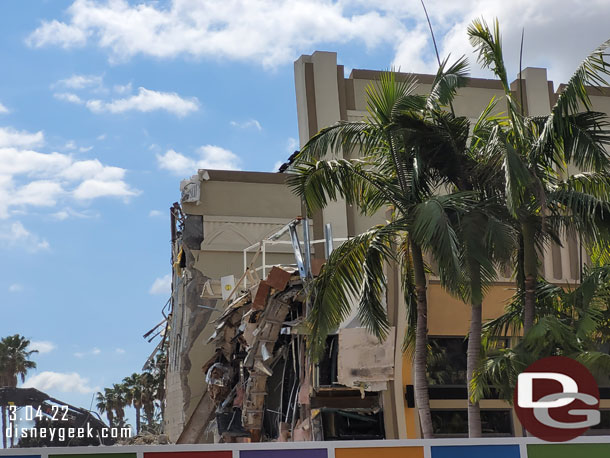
<point>363,361</point>
<point>233,211</point>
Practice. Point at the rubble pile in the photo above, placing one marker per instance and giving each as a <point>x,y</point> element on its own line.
<point>259,348</point>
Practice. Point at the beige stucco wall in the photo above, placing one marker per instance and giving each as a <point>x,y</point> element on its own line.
<point>239,209</point>
<point>447,315</point>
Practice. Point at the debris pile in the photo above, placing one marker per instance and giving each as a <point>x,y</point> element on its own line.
<point>258,340</point>
<point>261,383</point>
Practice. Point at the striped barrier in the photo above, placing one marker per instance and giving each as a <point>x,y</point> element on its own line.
<point>583,447</point>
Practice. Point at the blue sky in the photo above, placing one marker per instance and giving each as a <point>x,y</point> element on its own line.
<point>106,105</point>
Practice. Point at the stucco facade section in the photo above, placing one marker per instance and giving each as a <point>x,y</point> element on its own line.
<point>237,210</point>
<point>345,99</point>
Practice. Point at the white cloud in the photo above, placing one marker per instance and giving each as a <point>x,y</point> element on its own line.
<point>122,88</point>
<point>155,213</point>
<point>91,189</point>
<point>3,109</point>
<point>553,39</point>
<point>42,346</point>
<point>276,166</point>
<point>15,235</point>
<point>32,178</point>
<point>93,352</point>
<point>101,137</point>
<point>81,81</point>
<point>209,157</point>
<point>162,285</point>
<point>261,30</point>
<point>292,144</point>
<point>15,288</point>
<point>61,382</point>
<point>119,351</point>
<point>247,124</point>
<point>20,138</point>
<point>68,212</point>
<point>276,32</point>
<point>68,97</point>
<point>147,100</point>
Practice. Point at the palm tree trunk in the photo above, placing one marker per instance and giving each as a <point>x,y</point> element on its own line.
<point>473,352</point>
<point>530,268</point>
<point>3,426</point>
<point>422,398</point>
<point>137,420</point>
<point>473,355</point>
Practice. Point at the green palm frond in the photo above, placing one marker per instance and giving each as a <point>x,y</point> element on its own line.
<point>518,178</point>
<point>388,97</point>
<point>433,229</point>
<point>488,46</point>
<point>448,79</point>
<point>343,137</point>
<point>353,180</point>
<point>590,74</point>
<point>353,275</point>
<point>407,280</point>
<point>585,140</point>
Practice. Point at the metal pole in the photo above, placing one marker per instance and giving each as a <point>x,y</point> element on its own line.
<point>328,240</point>
<point>307,242</point>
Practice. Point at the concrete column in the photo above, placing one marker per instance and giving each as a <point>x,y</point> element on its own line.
<point>536,91</point>
<point>317,93</point>
<point>538,103</point>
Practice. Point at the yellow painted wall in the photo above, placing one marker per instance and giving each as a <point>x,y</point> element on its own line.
<point>448,316</point>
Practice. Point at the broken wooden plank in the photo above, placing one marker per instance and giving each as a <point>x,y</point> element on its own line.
<point>278,278</point>
<point>262,293</point>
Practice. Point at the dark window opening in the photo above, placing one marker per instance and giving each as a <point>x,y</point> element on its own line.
<point>338,425</point>
<point>447,361</point>
<point>454,422</point>
<point>327,368</point>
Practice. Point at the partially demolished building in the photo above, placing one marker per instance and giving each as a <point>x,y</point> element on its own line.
<point>237,360</point>
<point>242,259</point>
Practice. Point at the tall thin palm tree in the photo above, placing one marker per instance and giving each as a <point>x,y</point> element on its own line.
<point>390,173</point>
<point>119,394</point>
<point>14,364</point>
<point>113,402</point>
<point>486,237</point>
<point>105,404</point>
<point>533,152</point>
<point>133,388</point>
<point>150,392</point>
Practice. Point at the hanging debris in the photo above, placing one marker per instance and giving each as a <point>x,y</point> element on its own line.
<point>261,385</point>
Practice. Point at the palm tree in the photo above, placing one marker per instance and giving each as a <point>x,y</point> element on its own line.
<point>14,364</point>
<point>119,394</point>
<point>533,154</point>
<point>391,173</point>
<point>105,404</point>
<point>133,389</point>
<point>486,237</point>
<point>571,323</point>
<point>113,402</point>
<point>150,392</point>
